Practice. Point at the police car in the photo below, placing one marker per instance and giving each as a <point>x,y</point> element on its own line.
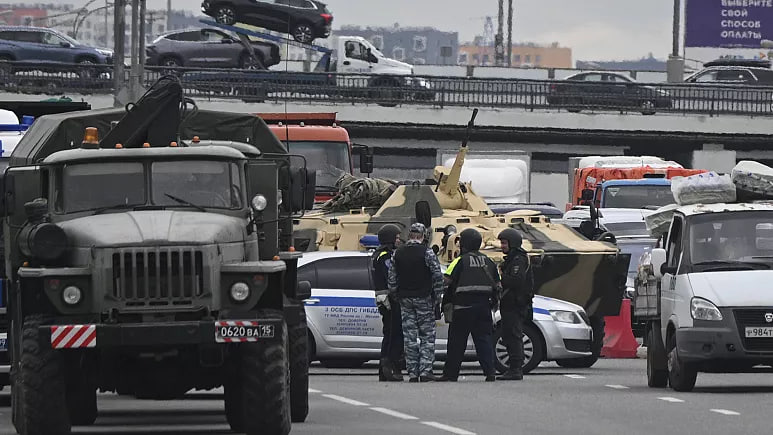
<point>345,328</point>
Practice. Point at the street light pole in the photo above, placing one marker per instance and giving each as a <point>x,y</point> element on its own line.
<point>509,33</point>
<point>119,52</point>
<point>675,64</point>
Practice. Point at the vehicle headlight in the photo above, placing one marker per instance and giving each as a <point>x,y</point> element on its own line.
<point>105,52</point>
<point>259,202</point>
<point>565,316</point>
<point>663,93</point>
<point>240,292</point>
<point>701,309</point>
<point>72,295</point>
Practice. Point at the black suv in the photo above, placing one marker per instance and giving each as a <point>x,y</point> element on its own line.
<point>304,20</point>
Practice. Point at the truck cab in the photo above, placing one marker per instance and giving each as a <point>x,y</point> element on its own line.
<point>634,194</point>
<point>705,293</point>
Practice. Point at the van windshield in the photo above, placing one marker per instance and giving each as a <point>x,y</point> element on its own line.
<point>731,238</point>
<point>637,196</point>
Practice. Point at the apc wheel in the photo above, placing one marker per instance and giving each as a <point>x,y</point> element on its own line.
<point>43,398</point>
<point>299,372</point>
<point>226,15</point>
<point>656,378</point>
<point>533,350</point>
<point>303,33</point>
<point>257,395</point>
<point>681,376</point>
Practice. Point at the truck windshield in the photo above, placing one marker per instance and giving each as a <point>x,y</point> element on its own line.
<point>637,196</point>
<point>96,186</point>
<point>731,237</point>
<point>621,229</point>
<point>208,184</point>
<point>329,160</point>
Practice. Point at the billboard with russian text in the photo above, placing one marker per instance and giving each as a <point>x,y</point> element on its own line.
<point>728,23</point>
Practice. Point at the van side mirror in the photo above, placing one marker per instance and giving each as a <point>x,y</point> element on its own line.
<point>303,291</point>
<point>658,260</point>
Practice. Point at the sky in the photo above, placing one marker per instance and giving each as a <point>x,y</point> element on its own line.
<point>594,29</point>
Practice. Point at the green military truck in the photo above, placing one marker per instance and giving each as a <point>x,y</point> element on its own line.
<point>150,264</point>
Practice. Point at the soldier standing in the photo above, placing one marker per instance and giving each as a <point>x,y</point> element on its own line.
<point>388,306</point>
<point>516,300</point>
<point>416,281</point>
<point>473,289</point>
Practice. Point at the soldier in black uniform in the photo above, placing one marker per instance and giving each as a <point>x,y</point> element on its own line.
<point>473,288</point>
<point>516,300</point>
<point>388,306</point>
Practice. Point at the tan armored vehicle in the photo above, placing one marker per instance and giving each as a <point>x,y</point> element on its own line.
<point>567,265</point>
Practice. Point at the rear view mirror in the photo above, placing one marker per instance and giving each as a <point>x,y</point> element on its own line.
<point>587,195</point>
<point>366,162</point>
<point>64,44</point>
<point>303,187</point>
<point>658,260</point>
<point>303,291</point>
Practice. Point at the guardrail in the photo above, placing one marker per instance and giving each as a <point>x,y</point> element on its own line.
<point>339,88</point>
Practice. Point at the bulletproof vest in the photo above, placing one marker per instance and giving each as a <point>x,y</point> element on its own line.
<point>414,279</point>
<point>476,280</point>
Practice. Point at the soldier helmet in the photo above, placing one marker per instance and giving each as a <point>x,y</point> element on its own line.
<point>418,228</point>
<point>388,233</point>
<point>513,237</point>
<point>470,240</point>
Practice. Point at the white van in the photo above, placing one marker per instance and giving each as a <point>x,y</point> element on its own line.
<point>707,294</point>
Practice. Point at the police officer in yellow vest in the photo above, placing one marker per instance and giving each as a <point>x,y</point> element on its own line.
<point>473,284</point>
<point>388,306</point>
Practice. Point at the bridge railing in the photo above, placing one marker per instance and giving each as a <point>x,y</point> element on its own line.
<point>339,88</point>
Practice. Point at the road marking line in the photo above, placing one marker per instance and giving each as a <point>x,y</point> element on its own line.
<point>575,376</point>
<point>617,387</point>
<point>345,400</point>
<point>671,399</point>
<point>311,390</point>
<point>725,412</point>
<point>394,413</point>
<point>447,428</point>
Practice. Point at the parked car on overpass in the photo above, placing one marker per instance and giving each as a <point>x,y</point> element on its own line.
<point>210,48</point>
<point>606,90</point>
<point>345,325</point>
<point>304,20</point>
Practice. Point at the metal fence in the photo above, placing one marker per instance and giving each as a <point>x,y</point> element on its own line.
<point>339,88</point>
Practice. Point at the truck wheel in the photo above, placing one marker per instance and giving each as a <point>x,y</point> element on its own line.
<point>258,395</point>
<point>299,372</point>
<point>656,378</point>
<point>680,375</point>
<point>43,398</point>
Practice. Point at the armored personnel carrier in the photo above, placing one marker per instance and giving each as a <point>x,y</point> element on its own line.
<point>567,265</point>
<point>148,266</point>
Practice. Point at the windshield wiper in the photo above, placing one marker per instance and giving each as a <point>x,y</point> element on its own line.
<point>732,264</point>
<point>101,210</point>
<point>185,202</point>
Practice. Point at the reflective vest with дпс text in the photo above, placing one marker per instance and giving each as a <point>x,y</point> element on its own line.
<point>476,281</point>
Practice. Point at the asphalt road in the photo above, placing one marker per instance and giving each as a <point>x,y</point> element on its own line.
<point>610,398</point>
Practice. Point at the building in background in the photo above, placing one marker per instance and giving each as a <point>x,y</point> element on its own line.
<point>649,63</point>
<point>524,55</point>
<point>414,45</point>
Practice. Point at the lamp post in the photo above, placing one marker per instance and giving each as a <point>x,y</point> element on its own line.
<point>675,63</point>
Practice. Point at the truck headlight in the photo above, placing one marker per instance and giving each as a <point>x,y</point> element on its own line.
<point>701,309</point>
<point>259,202</point>
<point>72,295</point>
<point>240,292</point>
<point>565,317</point>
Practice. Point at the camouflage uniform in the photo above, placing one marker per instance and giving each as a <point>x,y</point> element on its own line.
<point>418,286</point>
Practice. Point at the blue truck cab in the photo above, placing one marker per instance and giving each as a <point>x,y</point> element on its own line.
<point>641,193</point>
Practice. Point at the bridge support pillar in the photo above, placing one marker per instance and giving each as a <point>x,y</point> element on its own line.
<point>714,157</point>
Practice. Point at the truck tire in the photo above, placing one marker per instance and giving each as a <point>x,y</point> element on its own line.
<point>681,376</point>
<point>257,395</point>
<point>656,377</point>
<point>43,397</point>
<point>299,372</point>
